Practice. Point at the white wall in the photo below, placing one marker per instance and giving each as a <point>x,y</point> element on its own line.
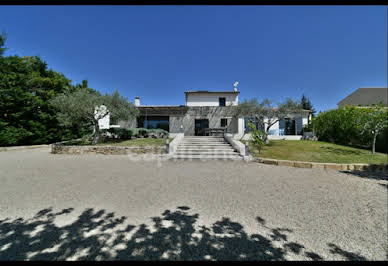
<point>210,99</point>
<point>275,127</point>
<point>273,137</point>
<point>103,123</point>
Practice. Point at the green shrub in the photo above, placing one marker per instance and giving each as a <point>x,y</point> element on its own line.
<point>121,133</point>
<point>339,126</point>
<point>382,141</point>
<point>351,126</point>
<point>128,133</point>
<point>258,137</point>
<point>308,127</point>
<point>143,133</point>
<point>87,138</point>
<point>13,136</point>
<point>146,133</point>
<point>160,133</point>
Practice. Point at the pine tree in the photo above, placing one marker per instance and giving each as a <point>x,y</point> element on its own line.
<point>305,103</point>
<point>3,37</point>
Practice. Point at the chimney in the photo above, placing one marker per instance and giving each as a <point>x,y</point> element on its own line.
<point>137,101</point>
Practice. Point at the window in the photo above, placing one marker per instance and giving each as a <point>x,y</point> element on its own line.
<point>287,126</point>
<point>151,122</point>
<point>254,121</point>
<point>224,122</point>
<point>222,101</point>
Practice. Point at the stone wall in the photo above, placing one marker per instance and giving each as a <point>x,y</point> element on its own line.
<point>59,148</point>
<point>214,114</point>
<point>186,116</point>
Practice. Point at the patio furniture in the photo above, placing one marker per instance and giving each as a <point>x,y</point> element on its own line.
<point>215,131</point>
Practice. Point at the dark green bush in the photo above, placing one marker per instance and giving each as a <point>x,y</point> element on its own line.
<point>382,141</point>
<point>308,127</point>
<point>160,133</point>
<point>345,126</point>
<point>12,136</point>
<point>128,133</point>
<point>121,133</point>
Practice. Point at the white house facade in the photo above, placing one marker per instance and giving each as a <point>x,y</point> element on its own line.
<point>207,112</point>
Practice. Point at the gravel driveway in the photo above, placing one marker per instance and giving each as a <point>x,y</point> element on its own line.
<point>67,207</point>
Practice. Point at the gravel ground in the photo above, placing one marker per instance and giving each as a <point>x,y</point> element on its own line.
<point>70,207</point>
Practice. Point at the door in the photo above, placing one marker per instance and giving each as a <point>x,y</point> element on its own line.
<point>290,128</point>
<point>199,126</point>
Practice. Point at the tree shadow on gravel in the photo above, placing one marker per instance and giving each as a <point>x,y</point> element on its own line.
<point>368,174</point>
<point>334,249</point>
<point>175,235</point>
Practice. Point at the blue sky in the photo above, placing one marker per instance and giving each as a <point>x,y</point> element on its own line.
<point>158,52</point>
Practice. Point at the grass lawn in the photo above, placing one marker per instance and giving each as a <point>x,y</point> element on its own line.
<point>317,151</point>
<point>137,142</point>
<point>133,142</point>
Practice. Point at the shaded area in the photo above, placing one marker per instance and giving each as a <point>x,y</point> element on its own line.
<point>334,249</point>
<point>384,185</point>
<point>175,235</point>
<point>378,175</point>
<point>342,151</point>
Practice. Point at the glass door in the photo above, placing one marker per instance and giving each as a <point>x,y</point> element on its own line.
<point>199,126</point>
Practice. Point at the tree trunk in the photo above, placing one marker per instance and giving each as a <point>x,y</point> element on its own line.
<point>374,142</point>
<point>296,130</point>
<point>242,136</point>
<point>266,138</point>
<point>96,136</point>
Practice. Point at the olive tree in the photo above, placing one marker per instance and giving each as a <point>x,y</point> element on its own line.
<point>265,113</point>
<point>85,106</point>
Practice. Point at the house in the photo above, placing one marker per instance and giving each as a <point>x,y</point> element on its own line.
<point>206,111</point>
<point>365,96</point>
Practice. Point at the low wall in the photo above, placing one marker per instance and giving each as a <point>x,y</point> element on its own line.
<point>173,145</point>
<point>237,145</point>
<point>59,148</point>
<point>12,148</point>
<point>332,166</point>
<point>247,136</point>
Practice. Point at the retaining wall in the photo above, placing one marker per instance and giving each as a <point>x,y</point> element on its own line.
<point>332,166</point>
<point>59,148</point>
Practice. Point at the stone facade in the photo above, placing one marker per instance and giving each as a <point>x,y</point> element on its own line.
<point>185,116</point>
<point>59,148</point>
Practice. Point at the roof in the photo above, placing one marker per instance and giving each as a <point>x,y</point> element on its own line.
<point>204,91</point>
<point>365,96</point>
<point>162,109</point>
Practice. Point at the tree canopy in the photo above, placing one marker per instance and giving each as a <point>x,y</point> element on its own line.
<point>350,125</point>
<point>265,113</point>
<point>80,107</point>
<point>26,84</point>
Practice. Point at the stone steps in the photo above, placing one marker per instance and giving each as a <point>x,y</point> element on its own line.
<point>207,152</point>
<point>196,149</point>
<point>206,157</point>
<point>205,148</point>
<point>188,147</point>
